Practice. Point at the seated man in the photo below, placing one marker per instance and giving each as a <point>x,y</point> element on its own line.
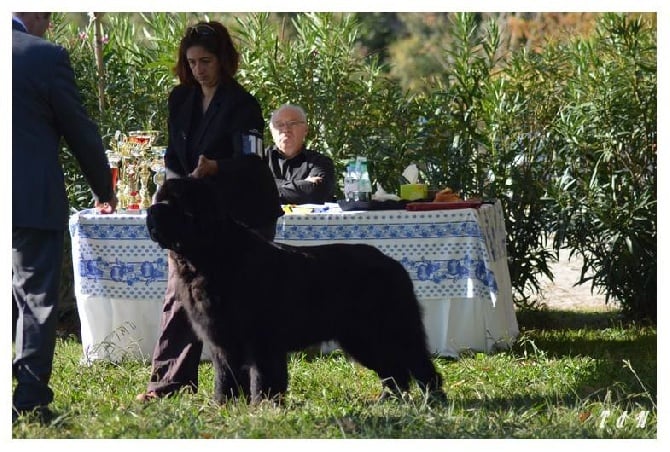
<point>303,176</point>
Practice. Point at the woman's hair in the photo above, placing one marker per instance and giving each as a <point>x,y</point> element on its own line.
<point>213,37</point>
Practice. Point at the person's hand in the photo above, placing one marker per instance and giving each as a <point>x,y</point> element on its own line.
<point>314,179</point>
<point>107,207</point>
<point>206,167</point>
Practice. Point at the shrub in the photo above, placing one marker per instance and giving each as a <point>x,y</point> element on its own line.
<point>487,124</point>
<point>566,138</point>
<point>606,196</point>
<point>352,107</point>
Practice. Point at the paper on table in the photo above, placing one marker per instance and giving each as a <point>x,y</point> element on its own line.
<point>329,207</point>
<point>381,195</point>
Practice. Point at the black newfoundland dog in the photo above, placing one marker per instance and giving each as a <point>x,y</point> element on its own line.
<point>253,301</point>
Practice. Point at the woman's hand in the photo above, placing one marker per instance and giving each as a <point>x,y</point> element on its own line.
<point>206,167</point>
<point>314,179</point>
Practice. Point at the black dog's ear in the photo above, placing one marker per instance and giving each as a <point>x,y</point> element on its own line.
<point>178,188</point>
<point>163,190</point>
<point>171,188</point>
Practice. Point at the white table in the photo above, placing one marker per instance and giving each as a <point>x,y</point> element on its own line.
<point>457,260</point>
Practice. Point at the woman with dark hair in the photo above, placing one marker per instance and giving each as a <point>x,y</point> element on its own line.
<point>215,130</point>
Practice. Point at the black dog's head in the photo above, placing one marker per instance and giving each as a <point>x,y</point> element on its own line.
<point>186,216</point>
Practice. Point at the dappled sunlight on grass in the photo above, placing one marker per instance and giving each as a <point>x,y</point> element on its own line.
<point>584,375</point>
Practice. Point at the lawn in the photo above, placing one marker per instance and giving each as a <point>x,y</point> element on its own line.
<point>569,375</point>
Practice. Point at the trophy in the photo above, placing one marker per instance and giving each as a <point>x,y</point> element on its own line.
<point>133,157</point>
<point>158,166</point>
<point>114,161</point>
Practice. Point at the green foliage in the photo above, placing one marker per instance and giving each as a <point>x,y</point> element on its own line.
<point>377,31</point>
<point>139,61</point>
<point>606,195</point>
<point>565,138</point>
<point>417,58</point>
<point>351,106</point>
<point>138,76</point>
<point>578,373</point>
<point>488,138</point>
<point>463,164</point>
<point>518,111</point>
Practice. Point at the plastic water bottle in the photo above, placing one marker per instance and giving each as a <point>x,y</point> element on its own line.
<point>357,185</point>
<point>350,182</point>
<point>364,184</point>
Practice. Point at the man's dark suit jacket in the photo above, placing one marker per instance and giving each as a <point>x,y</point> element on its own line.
<point>46,106</point>
<point>230,132</point>
<point>290,176</point>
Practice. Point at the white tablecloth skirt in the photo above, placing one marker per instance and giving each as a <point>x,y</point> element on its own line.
<point>457,261</point>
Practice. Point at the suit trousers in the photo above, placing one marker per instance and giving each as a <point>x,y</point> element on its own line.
<point>176,356</point>
<point>37,258</point>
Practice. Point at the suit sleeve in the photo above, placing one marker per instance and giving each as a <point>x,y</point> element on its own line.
<point>79,131</point>
<point>247,128</point>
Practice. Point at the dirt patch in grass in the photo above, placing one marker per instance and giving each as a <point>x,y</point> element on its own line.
<point>561,294</point>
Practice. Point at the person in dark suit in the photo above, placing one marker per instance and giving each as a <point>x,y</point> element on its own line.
<point>303,176</point>
<point>215,130</point>
<point>46,106</point>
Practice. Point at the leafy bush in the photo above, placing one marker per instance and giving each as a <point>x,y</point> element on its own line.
<point>606,196</point>
<point>352,107</point>
<point>565,138</point>
<point>487,125</point>
<point>138,63</point>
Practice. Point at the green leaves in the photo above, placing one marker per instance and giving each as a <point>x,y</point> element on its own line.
<point>352,108</point>
<point>565,137</point>
<point>609,149</point>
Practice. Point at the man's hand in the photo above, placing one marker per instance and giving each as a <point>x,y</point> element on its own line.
<point>206,167</point>
<point>107,207</point>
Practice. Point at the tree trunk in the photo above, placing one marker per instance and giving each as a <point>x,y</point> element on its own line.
<point>97,34</point>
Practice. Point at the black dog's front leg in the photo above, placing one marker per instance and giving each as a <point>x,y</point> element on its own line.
<point>268,378</point>
<point>229,379</point>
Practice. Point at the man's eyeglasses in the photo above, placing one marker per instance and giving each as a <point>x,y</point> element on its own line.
<point>286,125</point>
<point>201,30</point>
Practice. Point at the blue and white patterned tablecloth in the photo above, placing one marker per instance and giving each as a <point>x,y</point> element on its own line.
<point>452,256</point>
<point>115,257</point>
<point>446,252</point>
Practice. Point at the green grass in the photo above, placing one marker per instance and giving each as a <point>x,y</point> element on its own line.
<point>569,375</point>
